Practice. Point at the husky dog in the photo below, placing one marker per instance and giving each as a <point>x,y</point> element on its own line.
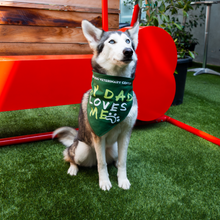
<point>114,55</point>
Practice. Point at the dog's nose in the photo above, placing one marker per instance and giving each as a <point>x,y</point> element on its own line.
<point>128,52</point>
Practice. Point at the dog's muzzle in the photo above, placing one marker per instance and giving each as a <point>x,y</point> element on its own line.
<point>128,53</point>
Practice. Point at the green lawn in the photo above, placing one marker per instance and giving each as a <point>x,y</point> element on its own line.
<point>173,173</point>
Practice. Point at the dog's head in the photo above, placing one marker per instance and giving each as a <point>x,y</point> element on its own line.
<point>114,51</point>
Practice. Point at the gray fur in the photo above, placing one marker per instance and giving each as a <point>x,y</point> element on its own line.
<point>84,133</point>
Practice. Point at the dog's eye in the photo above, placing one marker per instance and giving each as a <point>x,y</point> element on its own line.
<point>127,41</point>
<point>112,42</point>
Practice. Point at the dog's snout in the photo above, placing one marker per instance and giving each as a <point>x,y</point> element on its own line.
<point>128,52</point>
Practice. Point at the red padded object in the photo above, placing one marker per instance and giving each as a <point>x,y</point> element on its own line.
<point>154,82</point>
<point>43,81</point>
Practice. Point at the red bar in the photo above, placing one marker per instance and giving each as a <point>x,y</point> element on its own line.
<point>184,126</point>
<point>164,118</point>
<point>25,138</point>
<point>135,14</point>
<point>195,131</point>
<point>105,15</point>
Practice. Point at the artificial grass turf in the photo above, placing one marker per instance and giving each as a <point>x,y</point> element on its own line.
<point>174,174</point>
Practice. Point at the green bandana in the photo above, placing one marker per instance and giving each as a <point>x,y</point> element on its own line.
<point>109,102</point>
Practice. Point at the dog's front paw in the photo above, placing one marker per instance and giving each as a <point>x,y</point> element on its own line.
<point>124,183</point>
<point>105,184</point>
<point>73,170</point>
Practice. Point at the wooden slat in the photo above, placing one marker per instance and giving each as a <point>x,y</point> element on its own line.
<point>59,7</point>
<point>33,34</point>
<point>11,49</point>
<point>83,3</point>
<point>35,17</point>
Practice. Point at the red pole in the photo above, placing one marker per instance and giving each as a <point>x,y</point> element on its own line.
<point>135,14</point>
<point>164,118</point>
<point>184,126</point>
<point>25,138</point>
<point>105,15</point>
<point>195,131</point>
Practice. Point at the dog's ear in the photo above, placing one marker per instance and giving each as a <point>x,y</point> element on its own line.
<point>91,33</point>
<point>133,33</point>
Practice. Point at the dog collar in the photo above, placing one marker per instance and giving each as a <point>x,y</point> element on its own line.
<point>110,101</point>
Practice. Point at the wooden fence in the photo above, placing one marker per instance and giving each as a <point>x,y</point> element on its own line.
<point>50,27</point>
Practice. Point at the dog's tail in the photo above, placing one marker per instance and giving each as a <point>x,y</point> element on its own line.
<point>66,135</point>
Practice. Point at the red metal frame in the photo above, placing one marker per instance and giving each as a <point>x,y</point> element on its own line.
<point>25,139</point>
<point>105,15</point>
<point>67,64</point>
<point>135,14</point>
<point>164,118</point>
<point>184,126</point>
<point>193,130</point>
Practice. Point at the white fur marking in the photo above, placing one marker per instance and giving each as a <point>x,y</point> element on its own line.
<point>123,142</point>
<point>124,183</point>
<point>104,182</point>
<point>67,140</point>
<point>73,170</point>
<point>85,155</point>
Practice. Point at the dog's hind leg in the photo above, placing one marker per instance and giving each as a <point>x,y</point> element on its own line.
<point>85,155</point>
<point>69,156</point>
<point>79,154</point>
<point>73,170</point>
